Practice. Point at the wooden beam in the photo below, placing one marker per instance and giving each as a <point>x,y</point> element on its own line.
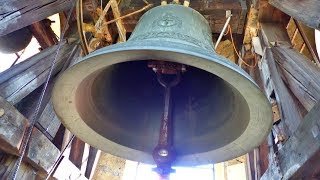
<point>268,13</point>
<point>16,14</point>
<point>76,153</point>
<point>41,152</point>
<point>12,127</point>
<point>92,158</point>
<point>58,139</point>
<point>7,167</point>
<point>306,11</point>
<point>272,34</point>
<point>288,109</point>
<point>20,80</point>
<point>42,31</point>
<point>299,157</point>
<point>306,42</point>
<point>301,75</point>
<point>49,121</point>
<point>263,153</point>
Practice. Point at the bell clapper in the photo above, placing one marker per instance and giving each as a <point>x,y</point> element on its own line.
<point>163,153</point>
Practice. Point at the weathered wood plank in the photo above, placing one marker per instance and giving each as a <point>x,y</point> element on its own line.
<point>302,75</point>
<point>49,120</point>
<point>288,109</point>
<point>12,127</point>
<point>41,152</point>
<point>299,157</point>
<point>268,13</point>
<point>42,31</point>
<point>92,158</point>
<point>76,153</point>
<point>16,14</point>
<point>19,68</point>
<point>7,164</point>
<point>306,11</point>
<point>47,123</point>
<point>263,153</point>
<point>273,32</point>
<point>29,76</point>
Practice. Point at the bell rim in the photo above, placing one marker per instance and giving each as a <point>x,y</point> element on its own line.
<point>247,140</point>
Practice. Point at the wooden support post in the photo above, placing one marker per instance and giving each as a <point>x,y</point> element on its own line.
<point>306,11</point>
<point>58,139</point>
<point>16,14</point>
<point>263,153</point>
<point>306,42</point>
<point>76,153</point>
<point>91,162</point>
<point>42,31</point>
<point>299,157</point>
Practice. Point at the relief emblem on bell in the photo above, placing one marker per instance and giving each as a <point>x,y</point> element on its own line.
<point>168,20</point>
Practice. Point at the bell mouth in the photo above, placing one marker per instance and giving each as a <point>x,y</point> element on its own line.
<point>251,126</point>
<point>124,103</point>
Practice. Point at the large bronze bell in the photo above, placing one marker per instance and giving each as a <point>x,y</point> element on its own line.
<point>113,101</point>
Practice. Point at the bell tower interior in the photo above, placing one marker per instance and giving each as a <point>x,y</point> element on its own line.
<point>159,89</point>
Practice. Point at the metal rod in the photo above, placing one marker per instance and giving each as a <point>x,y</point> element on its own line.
<point>228,15</point>
<point>33,120</point>
<point>307,43</point>
<point>16,60</point>
<point>163,154</point>
<point>165,123</point>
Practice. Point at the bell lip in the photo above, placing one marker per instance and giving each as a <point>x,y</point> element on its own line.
<point>63,98</point>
